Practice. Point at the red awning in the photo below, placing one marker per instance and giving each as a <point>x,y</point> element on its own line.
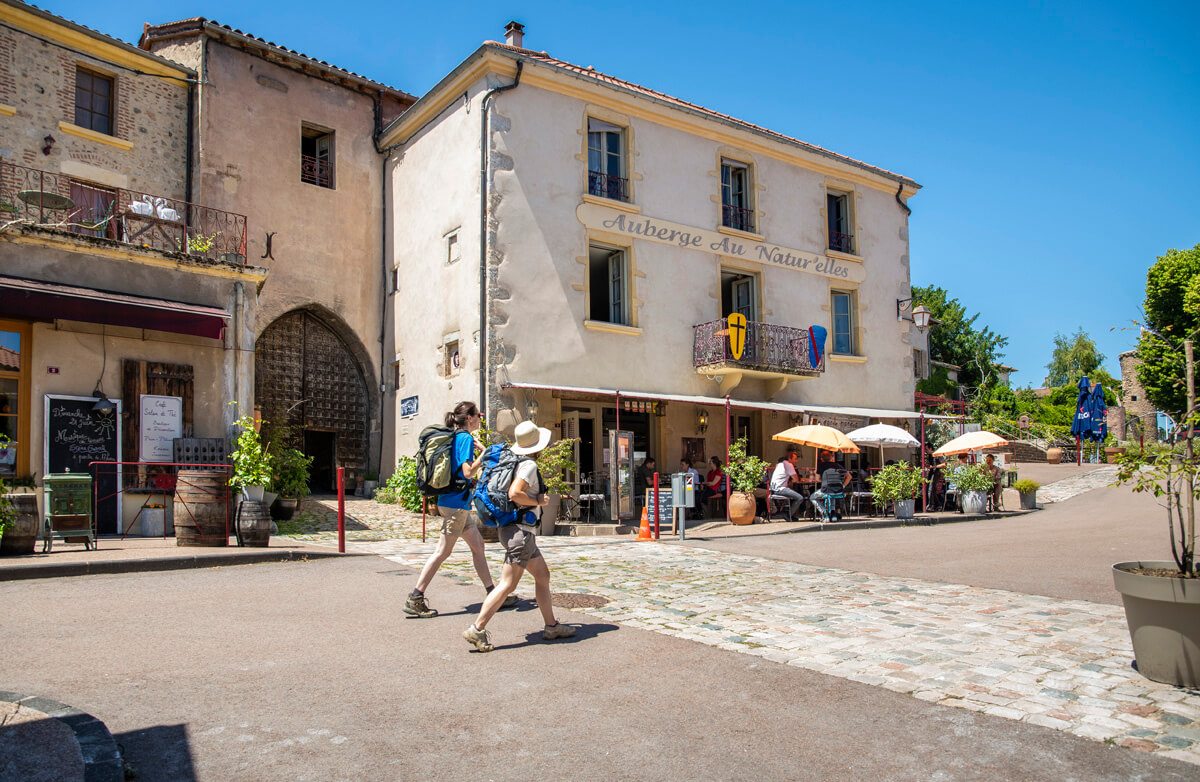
<point>37,299</point>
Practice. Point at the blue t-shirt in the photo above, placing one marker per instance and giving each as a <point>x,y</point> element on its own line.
<point>464,451</point>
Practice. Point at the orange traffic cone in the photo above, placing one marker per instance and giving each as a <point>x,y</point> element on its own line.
<point>644,532</point>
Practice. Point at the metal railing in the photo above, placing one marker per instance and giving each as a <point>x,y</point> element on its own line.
<point>768,347</point>
<point>843,243</point>
<point>608,186</point>
<point>316,171</point>
<point>737,217</point>
<point>52,200</point>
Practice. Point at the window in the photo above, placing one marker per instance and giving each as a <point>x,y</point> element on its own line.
<point>396,279</point>
<point>841,226</point>
<point>606,161</point>
<point>919,364</point>
<point>735,196</point>
<point>608,275</point>
<point>453,359</point>
<point>316,156</point>
<point>843,323</point>
<point>93,101</point>
<point>453,252</point>
<point>14,398</point>
<point>739,293</point>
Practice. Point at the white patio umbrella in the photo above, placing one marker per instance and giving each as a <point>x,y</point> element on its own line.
<point>881,435</point>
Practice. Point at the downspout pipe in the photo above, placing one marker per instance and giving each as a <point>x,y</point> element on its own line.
<point>484,115</point>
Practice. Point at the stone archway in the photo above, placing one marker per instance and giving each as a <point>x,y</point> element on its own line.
<point>307,371</point>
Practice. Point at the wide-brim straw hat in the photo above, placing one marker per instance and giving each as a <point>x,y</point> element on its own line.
<point>530,438</point>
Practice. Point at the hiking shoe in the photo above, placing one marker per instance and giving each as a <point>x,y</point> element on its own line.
<point>416,606</point>
<point>510,601</point>
<point>480,638</point>
<point>559,630</point>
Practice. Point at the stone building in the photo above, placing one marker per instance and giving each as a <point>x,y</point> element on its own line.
<point>118,279</point>
<point>289,141</point>
<point>1134,401</point>
<point>587,279</point>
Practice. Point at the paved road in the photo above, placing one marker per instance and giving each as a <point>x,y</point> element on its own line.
<point>306,671</point>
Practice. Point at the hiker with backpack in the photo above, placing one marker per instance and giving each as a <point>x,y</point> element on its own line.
<point>446,464</point>
<point>509,491</point>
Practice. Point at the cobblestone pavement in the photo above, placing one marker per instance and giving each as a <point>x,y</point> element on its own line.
<point>1060,664</point>
<point>1071,487</point>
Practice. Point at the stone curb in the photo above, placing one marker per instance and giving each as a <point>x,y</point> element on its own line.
<point>150,564</point>
<point>843,526</point>
<point>101,757</point>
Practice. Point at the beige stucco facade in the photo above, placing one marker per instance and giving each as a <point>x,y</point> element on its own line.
<point>542,220</point>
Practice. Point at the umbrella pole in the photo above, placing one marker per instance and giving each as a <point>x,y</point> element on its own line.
<point>1078,451</point>
<point>925,485</point>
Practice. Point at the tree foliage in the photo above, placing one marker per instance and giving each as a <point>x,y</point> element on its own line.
<point>1073,358</point>
<point>1172,310</point>
<point>955,339</point>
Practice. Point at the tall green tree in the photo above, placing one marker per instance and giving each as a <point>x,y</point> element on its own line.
<point>1172,310</point>
<point>1073,357</point>
<point>955,339</point>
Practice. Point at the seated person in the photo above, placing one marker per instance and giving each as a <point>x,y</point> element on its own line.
<point>643,479</point>
<point>833,482</point>
<point>783,477</point>
<point>714,481</point>
<point>994,471</point>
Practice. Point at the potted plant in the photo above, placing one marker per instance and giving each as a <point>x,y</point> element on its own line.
<point>291,481</point>
<point>899,484</point>
<point>1162,598</point>
<point>554,463</point>
<point>370,482</point>
<point>745,473</point>
<point>19,520</point>
<point>1028,491</point>
<point>973,482</point>
<point>251,461</point>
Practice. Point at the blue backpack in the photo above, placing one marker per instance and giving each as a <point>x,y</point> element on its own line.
<point>490,495</point>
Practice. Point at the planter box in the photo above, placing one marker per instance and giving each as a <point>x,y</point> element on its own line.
<point>904,509</point>
<point>1163,615</point>
<point>1028,500</point>
<point>974,502</point>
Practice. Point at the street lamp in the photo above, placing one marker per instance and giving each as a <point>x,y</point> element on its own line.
<point>920,313</point>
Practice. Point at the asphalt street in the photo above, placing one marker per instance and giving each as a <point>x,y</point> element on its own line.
<point>308,671</point>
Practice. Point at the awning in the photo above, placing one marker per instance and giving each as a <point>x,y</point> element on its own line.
<point>861,412</point>
<point>37,299</point>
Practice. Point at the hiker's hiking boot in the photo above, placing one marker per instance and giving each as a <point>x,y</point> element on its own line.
<point>480,638</point>
<point>416,606</point>
<point>558,630</point>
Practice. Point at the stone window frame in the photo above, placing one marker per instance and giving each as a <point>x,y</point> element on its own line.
<point>852,194</point>
<point>629,155</point>
<point>632,275</point>
<point>108,76</point>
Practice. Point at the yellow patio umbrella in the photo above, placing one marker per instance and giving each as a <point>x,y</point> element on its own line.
<point>971,441</point>
<point>818,436</point>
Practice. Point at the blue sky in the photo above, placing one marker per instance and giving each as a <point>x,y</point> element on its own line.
<point>1057,143</point>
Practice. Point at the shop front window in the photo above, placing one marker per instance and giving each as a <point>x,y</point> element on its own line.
<point>14,455</point>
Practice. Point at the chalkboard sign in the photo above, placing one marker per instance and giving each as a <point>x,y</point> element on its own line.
<point>160,424</point>
<point>665,508</point>
<point>75,436</point>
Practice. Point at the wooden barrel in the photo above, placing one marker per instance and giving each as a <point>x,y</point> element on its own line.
<point>254,524</point>
<point>21,536</point>
<point>202,508</point>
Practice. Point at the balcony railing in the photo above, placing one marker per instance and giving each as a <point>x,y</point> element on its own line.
<point>52,200</point>
<point>737,217</point>
<point>608,186</point>
<point>769,348</point>
<point>316,171</point>
<point>843,243</point>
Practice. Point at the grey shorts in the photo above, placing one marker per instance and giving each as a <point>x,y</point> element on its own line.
<point>520,543</point>
<point>455,520</point>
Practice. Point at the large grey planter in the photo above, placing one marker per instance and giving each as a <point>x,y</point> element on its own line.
<point>974,502</point>
<point>904,509</point>
<point>1163,615</point>
<point>1029,500</point>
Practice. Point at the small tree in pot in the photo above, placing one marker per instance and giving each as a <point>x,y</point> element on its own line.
<point>554,463</point>
<point>1028,491</point>
<point>291,480</point>
<point>744,473</point>
<point>973,482</point>
<point>897,483</point>
<point>251,462</point>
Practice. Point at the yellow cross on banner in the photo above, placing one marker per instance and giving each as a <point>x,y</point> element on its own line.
<point>737,335</point>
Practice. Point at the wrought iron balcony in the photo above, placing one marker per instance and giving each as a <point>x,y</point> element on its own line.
<point>843,243</point>
<point>608,186</point>
<point>52,200</point>
<point>316,171</point>
<point>737,217</point>
<point>769,349</point>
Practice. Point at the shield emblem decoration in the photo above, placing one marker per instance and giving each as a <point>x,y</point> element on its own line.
<point>737,335</point>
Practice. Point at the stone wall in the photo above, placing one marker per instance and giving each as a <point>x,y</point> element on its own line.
<point>1133,396</point>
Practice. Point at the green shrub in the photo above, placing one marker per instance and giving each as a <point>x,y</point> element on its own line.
<point>900,481</point>
<point>251,462</point>
<point>973,477</point>
<point>291,472</point>
<point>401,486</point>
<point>1026,486</point>
<point>745,472</point>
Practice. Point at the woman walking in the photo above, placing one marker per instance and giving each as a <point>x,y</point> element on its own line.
<point>458,520</point>
<point>520,543</point>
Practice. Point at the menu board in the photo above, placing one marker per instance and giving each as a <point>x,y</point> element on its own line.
<point>161,423</point>
<point>76,436</point>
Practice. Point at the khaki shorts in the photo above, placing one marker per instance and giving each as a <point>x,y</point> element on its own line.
<point>520,543</point>
<point>456,520</point>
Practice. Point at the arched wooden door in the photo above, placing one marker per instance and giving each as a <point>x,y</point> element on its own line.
<point>304,371</point>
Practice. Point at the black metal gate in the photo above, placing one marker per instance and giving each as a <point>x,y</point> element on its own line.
<point>303,370</point>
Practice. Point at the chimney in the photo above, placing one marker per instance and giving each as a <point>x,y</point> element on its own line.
<point>514,34</point>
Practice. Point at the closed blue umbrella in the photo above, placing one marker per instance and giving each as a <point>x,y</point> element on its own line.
<point>1081,424</point>
<point>1099,412</point>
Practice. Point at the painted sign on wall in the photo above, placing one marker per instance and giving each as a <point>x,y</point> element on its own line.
<point>161,422</point>
<point>652,229</point>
